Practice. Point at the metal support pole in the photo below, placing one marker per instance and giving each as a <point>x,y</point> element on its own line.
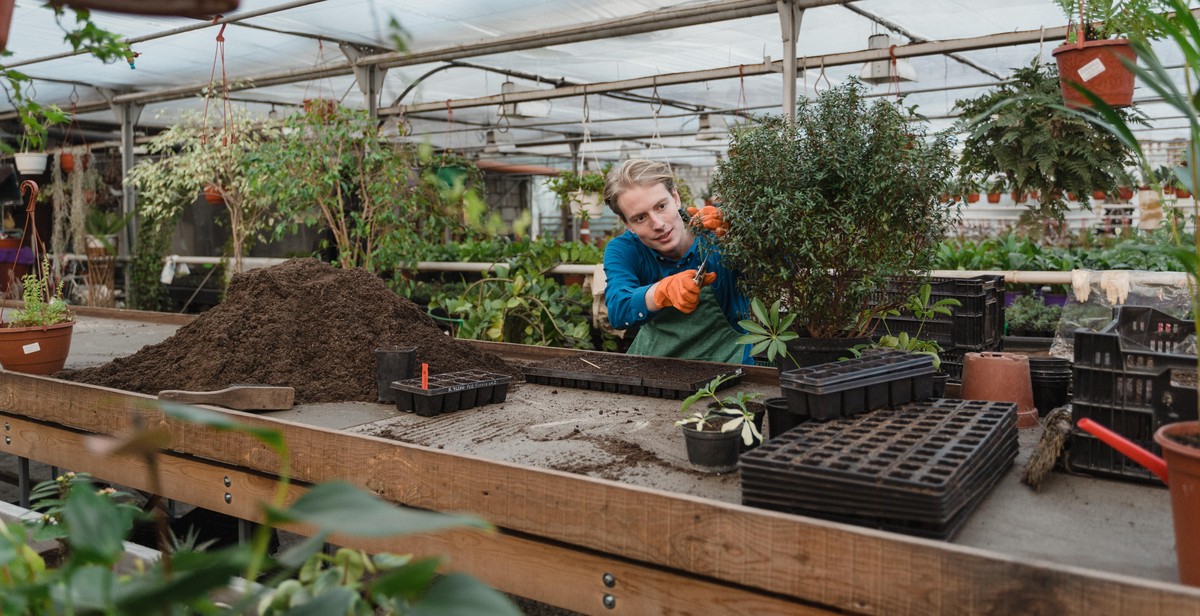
<point>245,531</point>
<point>128,115</point>
<point>789,22</point>
<point>368,76</point>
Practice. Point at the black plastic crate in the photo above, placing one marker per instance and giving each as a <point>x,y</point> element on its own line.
<point>977,324</point>
<point>1121,380</point>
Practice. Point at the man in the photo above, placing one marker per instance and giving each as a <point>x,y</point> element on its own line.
<point>651,271</point>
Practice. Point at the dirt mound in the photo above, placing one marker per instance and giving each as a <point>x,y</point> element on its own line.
<point>303,324</point>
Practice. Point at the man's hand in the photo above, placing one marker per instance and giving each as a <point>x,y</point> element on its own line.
<point>711,218</point>
<point>681,291</point>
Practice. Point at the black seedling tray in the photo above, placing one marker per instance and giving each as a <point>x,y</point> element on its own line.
<point>451,391</point>
<point>919,469</point>
<point>830,498</point>
<point>858,385</point>
<point>851,370</point>
<point>633,385</point>
<point>944,531</point>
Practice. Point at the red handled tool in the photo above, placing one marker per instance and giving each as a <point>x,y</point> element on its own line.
<point>1153,463</point>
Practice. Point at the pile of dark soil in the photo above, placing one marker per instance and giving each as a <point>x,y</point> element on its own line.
<point>303,324</point>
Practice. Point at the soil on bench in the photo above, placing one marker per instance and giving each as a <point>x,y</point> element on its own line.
<point>302,323</point>
<point>656,368</point>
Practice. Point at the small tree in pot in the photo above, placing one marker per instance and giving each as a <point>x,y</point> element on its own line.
<point>825,209</point>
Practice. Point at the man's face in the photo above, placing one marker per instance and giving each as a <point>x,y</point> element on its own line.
<point>652,213</point>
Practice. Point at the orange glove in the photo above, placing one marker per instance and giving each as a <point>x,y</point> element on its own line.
<point>710,217</point>
<point>681,291</point>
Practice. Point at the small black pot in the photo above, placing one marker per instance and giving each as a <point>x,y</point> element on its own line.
<point>392,365</point>
<point>712,451</point>
<point>816,351</point>
<point>939,384</point>
<point>780,418</point>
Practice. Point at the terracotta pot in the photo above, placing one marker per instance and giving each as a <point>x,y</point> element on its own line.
<point>212,194</point>
<point>6,11</point>
<point>1000,377</point>
<point>322,108</point>
<point>1099,195</point>
<point>35,350</point>
<point>993,197</point>
<point>66,160</point>
<point>1099,67</point>
<point>1183,467</point>
<point>1182,194</point>
<point>1168,190</point>
<point>1126,192</point>
<point>972,197</point>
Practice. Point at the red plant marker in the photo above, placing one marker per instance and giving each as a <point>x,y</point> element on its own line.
<point>424,376</point>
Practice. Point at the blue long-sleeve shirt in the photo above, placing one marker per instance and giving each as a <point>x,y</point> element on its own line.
<point>631,268</point>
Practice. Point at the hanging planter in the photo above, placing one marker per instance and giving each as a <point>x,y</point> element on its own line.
<point>588,202</point>
<point>67,161</point>
<point>37,349</point>
<point>31,163</point>
<point>212,194</point>
<point>1097,66</point>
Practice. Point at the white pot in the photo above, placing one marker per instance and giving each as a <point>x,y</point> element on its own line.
<point>586,202</point>
<point>31,163</point>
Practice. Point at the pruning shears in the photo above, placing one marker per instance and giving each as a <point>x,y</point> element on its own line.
<point>700,271</point>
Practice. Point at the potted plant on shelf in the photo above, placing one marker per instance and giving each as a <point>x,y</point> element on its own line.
<point>1096,53</point>
<point>1020,132</point>
<point>103,231</point>
<point>712,433</point>
<point>1029,315</point>
<point>844,164</point>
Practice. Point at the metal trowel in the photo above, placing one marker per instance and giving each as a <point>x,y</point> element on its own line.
<point>237,397</point>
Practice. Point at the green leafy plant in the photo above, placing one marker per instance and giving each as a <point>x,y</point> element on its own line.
<point>43,300</point>
<point>103,225</point>
<point>1104,19</point>
<point>844,165</point>
<point>570,186</point>
<point>919,306</point>
<point>768,331</point>
<point>36,118</point>
<point>1020,131</point>
<point>728,414</point>
<point>1030,313</point>
<point>92,525</point>
<point>196,152</point>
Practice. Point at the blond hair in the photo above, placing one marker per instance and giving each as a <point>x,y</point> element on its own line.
<point>633,173</point>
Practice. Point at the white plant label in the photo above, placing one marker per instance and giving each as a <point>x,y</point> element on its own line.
<point>31,348</point>
<point>1089,71</point>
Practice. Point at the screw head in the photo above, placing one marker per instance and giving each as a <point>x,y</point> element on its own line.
<point>8,440</point>
<point>610,601</point>
<point>610,580</point>
<point>227,481</point>
<point>228,498</point>
<point>6,426</point>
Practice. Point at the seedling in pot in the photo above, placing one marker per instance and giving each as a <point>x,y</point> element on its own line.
<point>726,415</point>
<point>918,304</point>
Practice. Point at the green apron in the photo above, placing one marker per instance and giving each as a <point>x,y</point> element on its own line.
<point>705,334</point>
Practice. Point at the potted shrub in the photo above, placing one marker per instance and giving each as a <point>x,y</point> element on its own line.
<point>37,338</point>
<point>843,165</point>
<point>712,433</point>
<point>1020,132</point>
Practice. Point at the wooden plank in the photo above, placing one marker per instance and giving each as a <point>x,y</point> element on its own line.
<point>564,577</point>
<point>142,316</point>
<point>846,567</point>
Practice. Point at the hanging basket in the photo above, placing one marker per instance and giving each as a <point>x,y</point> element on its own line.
<point>1097,66</point>
<point>586,202</point>
<point>31,163</point>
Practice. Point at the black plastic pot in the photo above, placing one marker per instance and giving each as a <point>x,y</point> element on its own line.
<point>712,451</point>
<point>392,365</point>
<point>780,418</point>
<point>815,351</point>
<point>758,423</point>
<point>939,384</point>
<point>855,386</point>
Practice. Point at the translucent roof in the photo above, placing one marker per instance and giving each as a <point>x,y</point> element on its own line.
<point>279,46</point>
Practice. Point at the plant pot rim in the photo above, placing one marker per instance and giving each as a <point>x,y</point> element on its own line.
<point>1178,428</point>
<point>4,327</point>
<point>1117,42</point>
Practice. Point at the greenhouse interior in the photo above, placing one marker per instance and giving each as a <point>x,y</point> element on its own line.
<point>554,307</point>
